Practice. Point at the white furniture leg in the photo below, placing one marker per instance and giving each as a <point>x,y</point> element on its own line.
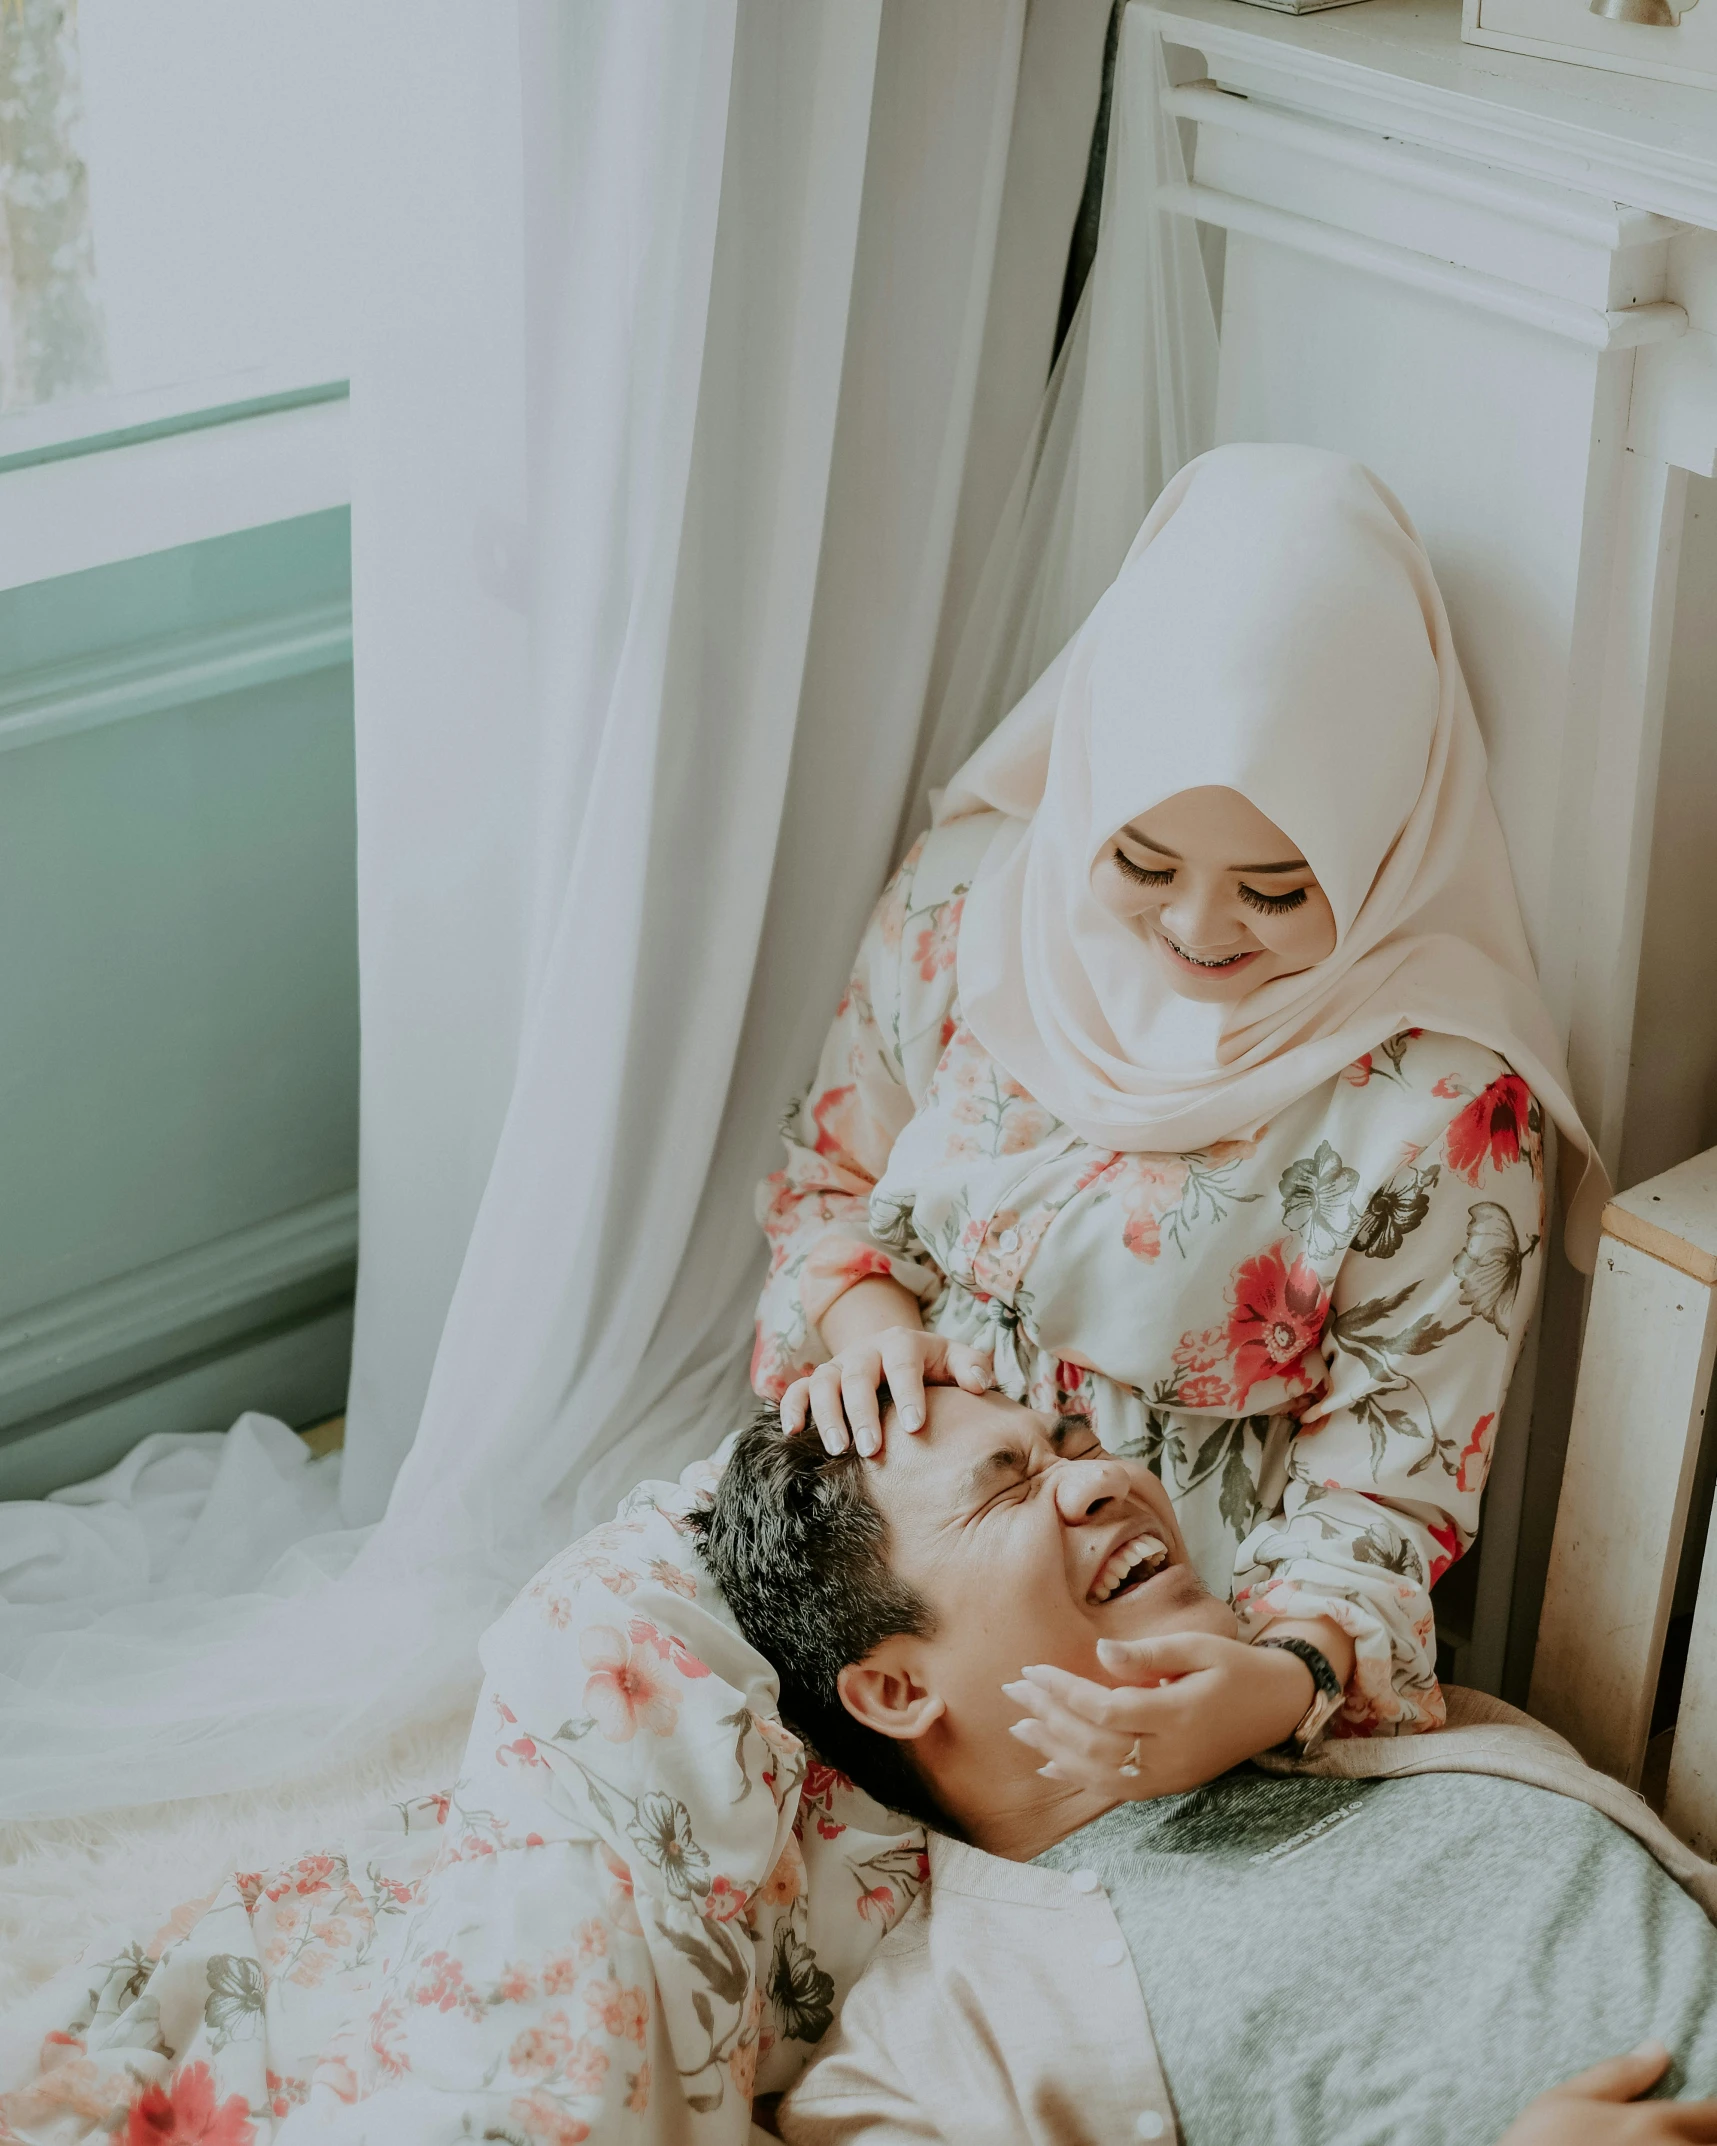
<point>1639,1412</point>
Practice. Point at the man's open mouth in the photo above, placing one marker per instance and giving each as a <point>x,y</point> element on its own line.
<point>1130,1564</point>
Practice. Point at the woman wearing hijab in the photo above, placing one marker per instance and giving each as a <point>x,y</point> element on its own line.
<point>1194,1073</point>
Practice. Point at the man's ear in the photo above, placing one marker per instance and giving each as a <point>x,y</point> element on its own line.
<point>886,1692</point>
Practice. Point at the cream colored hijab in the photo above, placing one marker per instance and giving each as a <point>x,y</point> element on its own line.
<point>1276,629</point>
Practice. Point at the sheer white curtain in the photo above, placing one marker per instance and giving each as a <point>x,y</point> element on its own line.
<point>676,311</point>
<point>1132,398</point>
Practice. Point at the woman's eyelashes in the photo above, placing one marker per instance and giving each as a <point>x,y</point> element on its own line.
<point>1268,904</point>
<point>1273,904</point>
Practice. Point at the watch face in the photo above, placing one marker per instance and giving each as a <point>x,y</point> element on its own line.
<point>1317,1718</point>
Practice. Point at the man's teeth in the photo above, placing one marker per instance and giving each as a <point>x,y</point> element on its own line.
<point>1120,1564</point>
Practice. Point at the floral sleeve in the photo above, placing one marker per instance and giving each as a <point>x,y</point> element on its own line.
<point>888,1032</point>
<point>1385,1470</point>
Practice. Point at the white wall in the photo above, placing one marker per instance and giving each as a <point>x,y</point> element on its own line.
<point>219,145</point>
<point>1672,1080</point>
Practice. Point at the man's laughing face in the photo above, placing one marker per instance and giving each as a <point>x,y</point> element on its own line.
<point>1030,1543</point>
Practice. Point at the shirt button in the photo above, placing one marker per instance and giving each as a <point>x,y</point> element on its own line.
<point>1084,1881</point>
<point>1149,2125</point>
<point>1008,1241</point>
<point>1110,1953</point>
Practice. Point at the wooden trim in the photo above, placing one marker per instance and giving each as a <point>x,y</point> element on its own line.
<point>1522,200</point>
<point>57,701</point>
<point>88,510</point>
<point>1620,329</point>
<point>151,1305</point>
<point>296,1370</point>
<point>1639,1411</point>
<point>52,435</point>
<point>1431,99</point>
<point>1661,1244</point>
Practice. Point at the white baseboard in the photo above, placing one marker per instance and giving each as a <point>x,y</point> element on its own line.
<point>77,1348</point>
<point>172,672</point>
<point>297,1373</point>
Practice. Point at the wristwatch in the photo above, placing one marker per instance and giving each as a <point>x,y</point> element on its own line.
<point>1326,1699</point>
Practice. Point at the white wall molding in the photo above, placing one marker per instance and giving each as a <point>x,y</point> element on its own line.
<point>63,516</point>
<point>1673,415</point>
<point>175,1296</point>
<point>296,1372</point>
<point>1581,216</point>
<point>1405,74</point>
<point>142,678</point>
<point>1617,328</point>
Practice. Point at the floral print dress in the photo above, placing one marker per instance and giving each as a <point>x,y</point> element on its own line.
<point>1307,1332</point>
<point>640,1901</point>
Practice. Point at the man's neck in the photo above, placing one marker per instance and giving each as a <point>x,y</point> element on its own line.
<point>1018,1816</point>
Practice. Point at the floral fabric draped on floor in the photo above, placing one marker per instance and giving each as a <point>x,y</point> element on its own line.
<point>556,1948</point>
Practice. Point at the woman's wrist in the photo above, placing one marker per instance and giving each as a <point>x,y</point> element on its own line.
<point>1292,1688</point>
<point>868,1308</point>
<point>1324,1634</point>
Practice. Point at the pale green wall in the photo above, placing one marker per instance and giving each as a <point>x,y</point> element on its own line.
<point>178,996</point>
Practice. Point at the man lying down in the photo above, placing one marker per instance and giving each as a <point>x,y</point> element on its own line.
<point>1409,1943</point>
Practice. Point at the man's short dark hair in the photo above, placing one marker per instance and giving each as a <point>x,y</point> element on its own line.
<point>799,1548</point>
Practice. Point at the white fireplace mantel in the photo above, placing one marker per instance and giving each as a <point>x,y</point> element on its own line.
<point>1493,278</point>
<point>1399,68</point>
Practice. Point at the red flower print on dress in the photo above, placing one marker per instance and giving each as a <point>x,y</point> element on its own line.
<point>668,1645</point>
<point>337,2075</point>
<point>786,1881</point>
<point>724,1900</point>
<point>184,2113</point>
<point>1148,1186</point>
<point>742,2065</point>
<point>939,942</point>
<point>1476,1451</point>
<point>386,2041</point>
<point>542,2049</point>
<point>860,1265</point>
<point>445,1988</point>
<point>546,2123</point>
<point>618,2010</point>
<point>822,1784</point>
<point>1491,1128</point>
<point>849,1137</point>
<point>1447,1538</point>
<point>622,1906</point>
<point>1277,1321</point>
<point>629,1691</point>
<point>774,1366</point>
<point>1198,1381</point>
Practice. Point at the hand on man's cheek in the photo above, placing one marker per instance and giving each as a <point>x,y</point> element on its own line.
<point>1005,1523</point>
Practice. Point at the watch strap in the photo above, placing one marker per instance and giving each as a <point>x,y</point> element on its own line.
<point>1327,1695</point>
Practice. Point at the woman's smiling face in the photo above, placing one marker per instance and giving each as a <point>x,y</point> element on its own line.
<point>1218,893</point>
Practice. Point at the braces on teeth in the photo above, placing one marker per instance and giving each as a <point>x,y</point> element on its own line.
<point>1227,961</point>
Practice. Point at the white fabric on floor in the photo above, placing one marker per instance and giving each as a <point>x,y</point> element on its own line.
<point>677,308</point>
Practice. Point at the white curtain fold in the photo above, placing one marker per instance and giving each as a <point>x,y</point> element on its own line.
<point>1131,399</point>
<point>677,308</point>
